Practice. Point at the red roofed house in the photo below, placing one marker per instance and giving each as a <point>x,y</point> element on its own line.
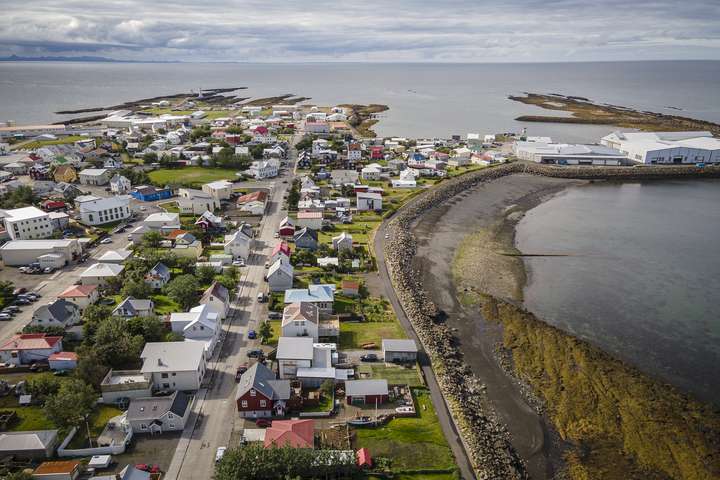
<point>351,288</point>
<point>376,153</point>
<point>29,347</point>
<point>287,229</point>
<point>81,295</point>
<point>282,249</point>
<point>291,433</point>
<point>63,361</point>
<point>363,458</point>
<point>254,202</point>
<point>312,220</point>
<point>52,205</point>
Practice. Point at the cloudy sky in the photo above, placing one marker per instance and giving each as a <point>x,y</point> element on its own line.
<point>367,30</point>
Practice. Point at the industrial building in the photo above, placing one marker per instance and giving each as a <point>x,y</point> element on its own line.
<point>23,252</point>
<point>657,148</point>
<point>568,154</point>
<point>27,223</point>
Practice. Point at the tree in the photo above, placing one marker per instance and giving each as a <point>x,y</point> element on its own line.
<point>115,345</point>
<point>266,331</point>
<point>6,293</point>
<point>22,196</point>
<point>19,475</point>
<point>92,317</point>
<point>150,157</point>
<point>72,402</point>
<point>42,386</point>
<point>150,328</point>
<point>136,288</point>
<point>152,239</point>
<point>205,274</point>
<point>183,290</point>
<point>89,367</point>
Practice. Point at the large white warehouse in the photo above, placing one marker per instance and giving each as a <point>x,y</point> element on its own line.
<point>567,154</point>
<point>666,147</point>
<point>24,252</point>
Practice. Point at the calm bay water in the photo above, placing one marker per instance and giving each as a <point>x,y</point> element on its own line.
<point>643,278</point>
<point>425,99</point>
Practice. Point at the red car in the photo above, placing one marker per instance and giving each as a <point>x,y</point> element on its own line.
<point>263,422</point>
<point>241,369</point>
<point>148,468</point>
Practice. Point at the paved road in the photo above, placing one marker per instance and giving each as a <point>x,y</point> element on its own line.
<point>446,421</point>
<point>214,413</point>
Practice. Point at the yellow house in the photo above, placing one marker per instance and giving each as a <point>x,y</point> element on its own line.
<point>65,173</point>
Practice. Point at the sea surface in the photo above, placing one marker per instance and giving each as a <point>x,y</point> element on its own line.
<point>642,279</point>
<point>425,100</point>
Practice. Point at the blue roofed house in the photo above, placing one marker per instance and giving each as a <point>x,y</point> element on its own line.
<point>323,296</point>
<point>134,307</point>
<point>147,193</point>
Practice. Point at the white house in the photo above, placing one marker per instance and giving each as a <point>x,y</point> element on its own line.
<point>200,324</point>
<point>196,201</point>
<point>322,295</point>
<point>115,256</point>
<point>174,365</point>
<point>368,201</point>
<point>666,147</point>
<point>293,353</point>
<point>134,307</point>
<point>354,152</point>
<point>100,273</point>
<point>59,313</point>
<point>280,276</point>
<point>310,219</point>
<point>158,276</point>
<point>120,184</point>
<point>370,173</point>
<point>399,350</point>
<point>98,211</point>
<point>81,295</point>
<point>217,297</point>
<point>407,179</point>
<point>343,242</point>
<point>156,415</point>
<point>301,319</point>
<point>239,243</point>
<point>219,190</point>
<point>262,169</point>
<point>163,221</point>
<point>27,223</point>
<point>95,176</point>
<point>27,348</point>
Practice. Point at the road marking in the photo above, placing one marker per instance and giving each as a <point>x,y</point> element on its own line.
<point>56,275</point>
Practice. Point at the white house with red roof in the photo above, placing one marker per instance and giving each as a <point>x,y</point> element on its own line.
<point>282,249</point>
<point>290,433</point>
<point>81,295</point>
<point>27,348</point>
<point>63,361</point>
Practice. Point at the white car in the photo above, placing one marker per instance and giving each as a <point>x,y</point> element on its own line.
<point>219,453</point>
<point>238,263</point>
<point>105,241</point>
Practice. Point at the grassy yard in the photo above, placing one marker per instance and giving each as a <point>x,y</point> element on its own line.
<point>165,305</point>
<point>191,176</point>
<point>354,334</point>
<point>276,331</point>
<point>44,143</point>
<point>171,207</point>
<point>98,419</point>
<point>411,443</point>
<point>394,374</point>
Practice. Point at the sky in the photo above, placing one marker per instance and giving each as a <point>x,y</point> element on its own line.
<point>363,31</point>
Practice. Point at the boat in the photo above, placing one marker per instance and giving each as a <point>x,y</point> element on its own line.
<point>361,421</point>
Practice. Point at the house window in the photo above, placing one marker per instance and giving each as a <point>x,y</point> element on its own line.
<point>263,403</point>
<point>252,393</point>
<point>143,426</point>
<point>163,375</point>
<point>244,404</point>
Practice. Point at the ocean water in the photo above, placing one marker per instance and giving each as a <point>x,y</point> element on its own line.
<point>642,279</point>
<point>425,100</point>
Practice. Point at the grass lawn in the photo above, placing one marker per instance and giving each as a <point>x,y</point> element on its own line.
<point>29,418</point>
<point>171,207</point>
<point>60,141</point>
<point>98,419</point>
<point>165,305</point>
<point>325,405</point>
<point>354,334</point>
<point>394,374</point>
<point>191,176</point>
<point>411,443</point>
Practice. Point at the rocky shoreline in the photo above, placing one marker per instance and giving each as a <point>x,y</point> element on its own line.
<point>486,439</point>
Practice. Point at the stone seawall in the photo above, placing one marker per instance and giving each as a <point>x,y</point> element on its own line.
<point>486,439</point>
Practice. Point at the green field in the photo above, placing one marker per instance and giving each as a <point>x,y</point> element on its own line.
<point>44,143</point>
<point>412,444</point>
<point>354,334</point>
<point>394,374</point>
<point>165,305</point>
<point>190,176</point>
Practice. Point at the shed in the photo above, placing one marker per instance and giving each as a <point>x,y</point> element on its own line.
<point>30,445</point>
<point>366,391</point>
<point>60,470</point>
<point>399,350</point>
<point>63,361</point>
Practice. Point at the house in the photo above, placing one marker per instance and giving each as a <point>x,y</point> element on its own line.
<point>287,227</point>
<point>158,276</point>
<point>100,273</point>
<point>308,219</point>
<point>134,307</point>
<point>200,324</point>
<point>407,179</point>
<point>63,361</point>
<point>354,152</point>
<point>95,176</point>
<point>119,385</point>
<point>65,174</point>
<point>81,295</point>
<point>157,415</point>
<point>27,223</point>
<point>196,201</point>
<point>344,177</point>
<point>280,275</point>
<point>306,238</point>
<point>99,211</point>
<point>304,160</point>
<point>301,319</point>
<point>366,392</point>
<point>253,203</point>
<point>115,256</point>
<point>174,365</point>
<point>219,190</point>
<point>370,173</point>
<point>343,242</point>
<point>29,445</point>
<point>261,394</point>
<point>24,252</point>
<point>163,222</point>
<point>128,473</point>
<point>281,250</point>
<point>293,353</point>
<point>290,433</point>
<point>261,169</point>
<point>322,295</point>
<point>146,193</point>
<point>59,313</point>
<point>239,243</point>
<point>210,221</point>
<point>369,201</point>
<point>27,348</point>
<point>57,470</point>
<point>317,127</point>
<point>399,350</point>
<point>350,288</point>
<point>120,184</point>
<point>217,297</point>
<point>187,246</point>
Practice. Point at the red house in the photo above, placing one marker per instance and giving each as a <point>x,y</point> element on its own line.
<point>287,229</point>
<point>291,433</point>
<point>363,458</point>
<point>370,392</point>
<point>376,152</point>
<point>52,205</point>
<point>261,394</point>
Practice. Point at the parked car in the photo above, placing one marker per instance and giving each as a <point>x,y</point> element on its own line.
<point>241,369</point>
<point>106,240</point>
<point>20,290</point>
<point>276,235</point>
<point>13,308</point>
<point>255,354</point>
<point>7,311</point>
<point>263,423</point>
<point>261,297</point>
<point>252,334</point>
<point>370,357</point>
<point>48,269</point>
<point>238,263</point>
<point>274,315</point>
<point>219,453</point>
<point>4,317</point>
<point>148,468</point>
<point>22,301</point>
